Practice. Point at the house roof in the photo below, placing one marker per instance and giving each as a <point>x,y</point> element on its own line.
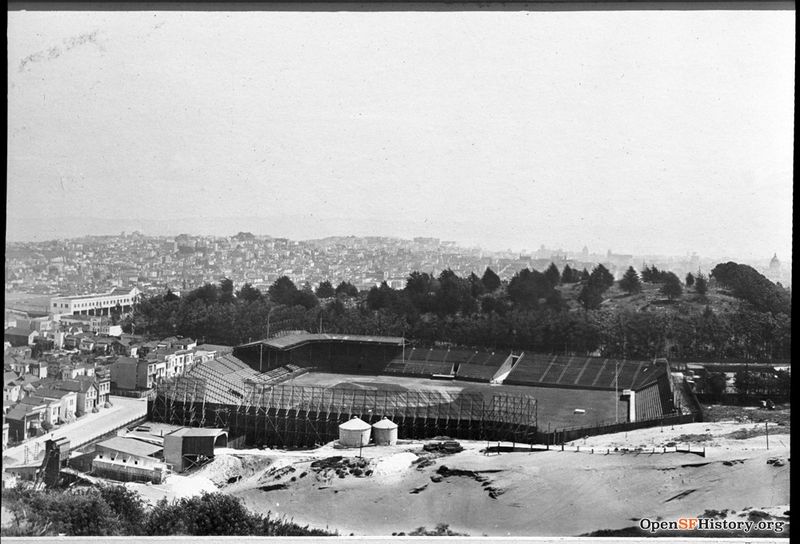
<point>49,393</point>
<point>214,347</point>
<point>26,379</point>
<point>131,446</point>
<point>81,384</point>
<point>18,331</point>
<point>195,432</point>
<point>35,400</point>
<point>9,377</point>
<point>21,411</point>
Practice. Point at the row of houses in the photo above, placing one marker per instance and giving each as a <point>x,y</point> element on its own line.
<point>32,405</point>
<point>59,385</point>
<point>58,331</point>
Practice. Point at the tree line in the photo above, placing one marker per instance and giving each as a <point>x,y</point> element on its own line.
<point>113,510</point>
<point>527,312</point>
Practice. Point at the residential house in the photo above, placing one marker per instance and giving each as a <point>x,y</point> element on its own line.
<point>104,346</point>
<point>52,411</point>
<point>130,374</point>
<point>87,343</point>
<point>20,366</point>
<point>127,345</point>
<point>109,329</point>
<point>85,388</point>
<point>18,336</point>
<point>103,379</point>
<point>24,421</point>
<point>38,369</point>
<point>68,402</point>
<point>28,384</point>
<point>40,324</point>
<point>129,459</point>
<point>11,389</point>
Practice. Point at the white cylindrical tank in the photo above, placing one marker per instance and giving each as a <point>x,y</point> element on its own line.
<point>354,433</point>
<point>385,432</point>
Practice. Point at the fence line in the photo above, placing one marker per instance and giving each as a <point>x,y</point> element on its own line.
<point>568,434</point>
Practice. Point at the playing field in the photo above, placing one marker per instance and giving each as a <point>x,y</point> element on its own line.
<point>556,407</point>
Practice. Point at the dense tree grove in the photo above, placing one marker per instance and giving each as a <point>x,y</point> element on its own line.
<point>531,311</point>
<point>117,511</point>
<point>747,284</point>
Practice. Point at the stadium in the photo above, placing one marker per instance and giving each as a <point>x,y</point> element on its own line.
<point>294,390</point>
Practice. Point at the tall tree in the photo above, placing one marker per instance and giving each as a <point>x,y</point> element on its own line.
<point>630,282</point>
<point>248,293</point>
<point>567,274</point>
<point>226,291</point>
<point>552,275</point>
<point>490,280</point>
<point>283,291</point>
<point>476,285</point>
<point>325,290</point>
<point>347,289</point>
<point>701,285</point>
<point>601,278</point>
<point>590,297</point>
<point>170,296</point>
<point>672,287</point>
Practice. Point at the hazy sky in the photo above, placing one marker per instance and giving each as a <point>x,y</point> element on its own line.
<point>642,132</point>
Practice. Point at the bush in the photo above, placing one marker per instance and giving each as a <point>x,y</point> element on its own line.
<point>115,510</point>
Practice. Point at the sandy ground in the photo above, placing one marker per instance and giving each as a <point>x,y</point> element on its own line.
<point>524,493</point>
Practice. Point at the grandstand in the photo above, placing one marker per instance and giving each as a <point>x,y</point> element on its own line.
<point>253,392</point>
<point>225,380</point>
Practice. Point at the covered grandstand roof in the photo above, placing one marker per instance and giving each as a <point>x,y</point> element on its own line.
<point>222,380</point>
<point>294,340</point>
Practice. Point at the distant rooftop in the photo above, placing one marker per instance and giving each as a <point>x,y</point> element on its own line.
<point>117,291</point>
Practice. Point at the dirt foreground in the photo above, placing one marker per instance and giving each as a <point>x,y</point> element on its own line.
<point>397,489</point>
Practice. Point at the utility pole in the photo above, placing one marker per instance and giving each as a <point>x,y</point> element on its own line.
<point>766,428</point>
<point>616,391</point>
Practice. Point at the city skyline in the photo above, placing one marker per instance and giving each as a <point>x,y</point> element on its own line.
<point>486,128</point>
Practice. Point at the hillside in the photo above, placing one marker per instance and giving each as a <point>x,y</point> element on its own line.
<point>651,300</point>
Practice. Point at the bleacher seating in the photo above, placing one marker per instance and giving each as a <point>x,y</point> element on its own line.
<point>648,403</point>
<point>437,355</point>
<point>573,371</point>
<point>419,368</point>
<point>475,372</point>
<point>461,356</point>
<point>471,365</point>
